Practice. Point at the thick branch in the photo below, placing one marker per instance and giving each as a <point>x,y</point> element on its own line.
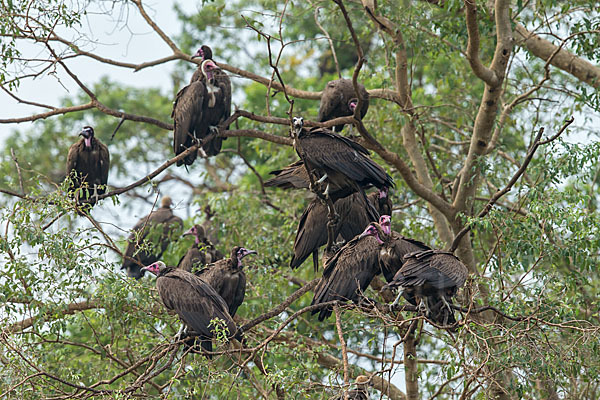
<point>564,59</point>
<point>70,309</point>
<point>482,72</point>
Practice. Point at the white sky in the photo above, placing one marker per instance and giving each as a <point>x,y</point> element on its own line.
<point>133,42</point>
<point>136,42</point>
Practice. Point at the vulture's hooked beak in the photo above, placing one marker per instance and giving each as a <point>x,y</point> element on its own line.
<point>199,53</point>
<point>248,252</point>
<point>189,232</point>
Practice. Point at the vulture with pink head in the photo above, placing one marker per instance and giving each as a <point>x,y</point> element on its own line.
<point>200,107</point>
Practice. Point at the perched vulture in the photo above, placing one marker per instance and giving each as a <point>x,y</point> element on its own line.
<point>429,279</point>
<point>396,246</point>
<point>228,278</point>
<point>201,253</point>
<point>350,271</point>
<point>293,176</point>
<point>340,162</point>
<point>353,218</point>
<point>339,100</point>
<point>199,107</point>
<point>195,301</point>
<point>87,167</point>
<point>154,231</point>
<point>361,392</point>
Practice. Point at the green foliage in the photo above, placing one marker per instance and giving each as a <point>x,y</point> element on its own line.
<point>535,253</point>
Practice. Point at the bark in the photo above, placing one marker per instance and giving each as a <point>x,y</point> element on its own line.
<point>411,370</point>
<point>564,59</point>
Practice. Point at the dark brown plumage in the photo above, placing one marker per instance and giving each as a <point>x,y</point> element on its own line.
<point>396,246</point>
<point>154,230</point>
<point>350,271</point>
<point>200,106</point>
<point>201,253</point>
<point>337,161</point>
<point>195,301</point>
<point>429,279</point>
<point>339,100</point>
<point>353,218</point>
<point>228,278</point>
<point>360,393</point>
<point>88,162</point>
<point>293,176</point>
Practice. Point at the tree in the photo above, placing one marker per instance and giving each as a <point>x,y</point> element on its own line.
<point>468,101</point>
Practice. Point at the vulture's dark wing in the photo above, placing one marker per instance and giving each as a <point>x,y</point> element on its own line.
<point>354,217</point>
<point>348,273</point>
<point>192,257</point>
<point>312,232</point>
<point>104,163</point>
<point>239,293</point>
<point>392,253</point>
<point>229,284</point>
<point>72,157</point>
<point>187,114</point>
<point>294,176</point>
<point>326,150</point>
<point>194,301</point>
<point>437,268</point>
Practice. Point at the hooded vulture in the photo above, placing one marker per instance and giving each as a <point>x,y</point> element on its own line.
<point>88,161</point>
<point>429,279</point>
<point>200,107</point>
<point>353,218</point>
<point>339,100</point>
<point>396,246</point>
<point>350,271</point>
<point>195,301</point>
<point>228,278</point>
<point>361,392</point>
<point>201,253</point>
<point>154,232</point>
<point>340,162</point>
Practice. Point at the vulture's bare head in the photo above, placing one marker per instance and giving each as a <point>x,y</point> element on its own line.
<point>374,229</point>
<point>204,52</point>
<point>197,231</point>
<point>88,133</point>
<point>238,253</point>
<point>297,125</point>
<point>352,103</point>
<point>386,224</point>
<point>155,268</point>
<point>208,68</point>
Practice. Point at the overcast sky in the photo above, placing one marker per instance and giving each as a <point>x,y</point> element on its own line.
<point>132,42</point>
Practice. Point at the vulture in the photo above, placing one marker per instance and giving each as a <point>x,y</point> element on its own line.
<point>396,246</point>
<point>88,161</point>
<point>340,162</point>
<point>429,279</point>
<point>155,230</point>
<point>353,218</point>
<point>199,107</point>
<point>339,100</point>
<point>195,301</point>
<point>361,392</point>
<point>201,253</point>
<point>293,176</point>
<point>228,278</point>
<point>350,271</point>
